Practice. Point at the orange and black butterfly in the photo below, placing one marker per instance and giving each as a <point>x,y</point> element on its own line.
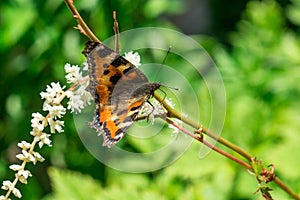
<point>119,90</point>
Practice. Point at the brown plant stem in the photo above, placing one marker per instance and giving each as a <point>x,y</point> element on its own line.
<point>286,188</point>
<point>175,114</point>
<point>84,29</point>
<point>200,139</point>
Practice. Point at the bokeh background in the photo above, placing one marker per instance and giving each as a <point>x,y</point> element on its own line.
<point>256,46</point>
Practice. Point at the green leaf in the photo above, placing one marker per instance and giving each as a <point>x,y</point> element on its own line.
<point>73,185</point>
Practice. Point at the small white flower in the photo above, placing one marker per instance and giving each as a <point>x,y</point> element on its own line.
<point>56,88</point>
<point>55,125</point>
<point>134,58</point>
<point>23,175</point>
<point>17,193</point>
<point>37,121</point>
<point>24,145</point>
<point>53,91</point>
<point>37,157</point>
<point>35,132</point>
<point>47,105</point>
<point>38,116</point>
<point>159,110</point>
<point>15,167</point>
<point>73,73</point>
<point>30,157</point>
<point>52,94</point>
<point>75,104</point>
<point>44,139</point>
<point>7,185</point>
<point>147,111</point>
<point>25,156</point>
<point>152,110</point>
<point>56,111</point>
<point>3,198</point>
<point>78,99</point>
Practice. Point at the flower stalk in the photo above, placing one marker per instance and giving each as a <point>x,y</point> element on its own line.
<point>53,96</point>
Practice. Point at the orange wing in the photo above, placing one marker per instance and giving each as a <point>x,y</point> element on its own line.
<point>119,90</point>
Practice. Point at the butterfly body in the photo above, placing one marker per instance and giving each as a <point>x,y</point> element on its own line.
<point>119,90</point>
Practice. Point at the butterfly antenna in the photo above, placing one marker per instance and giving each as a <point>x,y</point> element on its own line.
<point>173,88</point>
<point>164,60</point>
<point>117,33</point>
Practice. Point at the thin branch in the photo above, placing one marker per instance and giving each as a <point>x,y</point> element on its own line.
<point>175,114</point>
<point>200,139</point>
<point>286,188</point>
<point>81,24</point>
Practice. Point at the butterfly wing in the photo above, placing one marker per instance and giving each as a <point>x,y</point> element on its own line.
<point>119,90</point>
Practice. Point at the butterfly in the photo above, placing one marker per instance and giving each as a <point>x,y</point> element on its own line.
<point>119,90</point>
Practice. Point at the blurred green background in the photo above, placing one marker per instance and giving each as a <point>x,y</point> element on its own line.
<point>256,46</point>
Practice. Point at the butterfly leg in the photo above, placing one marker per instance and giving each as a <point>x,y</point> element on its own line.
<point>165,95</point>
<point>117,33</point>
<point>151,110</point>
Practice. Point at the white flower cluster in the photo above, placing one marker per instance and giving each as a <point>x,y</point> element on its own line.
<point>134,58</point>
<point>53,96</point>
<point>79,97</point>
<point>156,109</point>
<point>7,185</point>
<point>152,110</point>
